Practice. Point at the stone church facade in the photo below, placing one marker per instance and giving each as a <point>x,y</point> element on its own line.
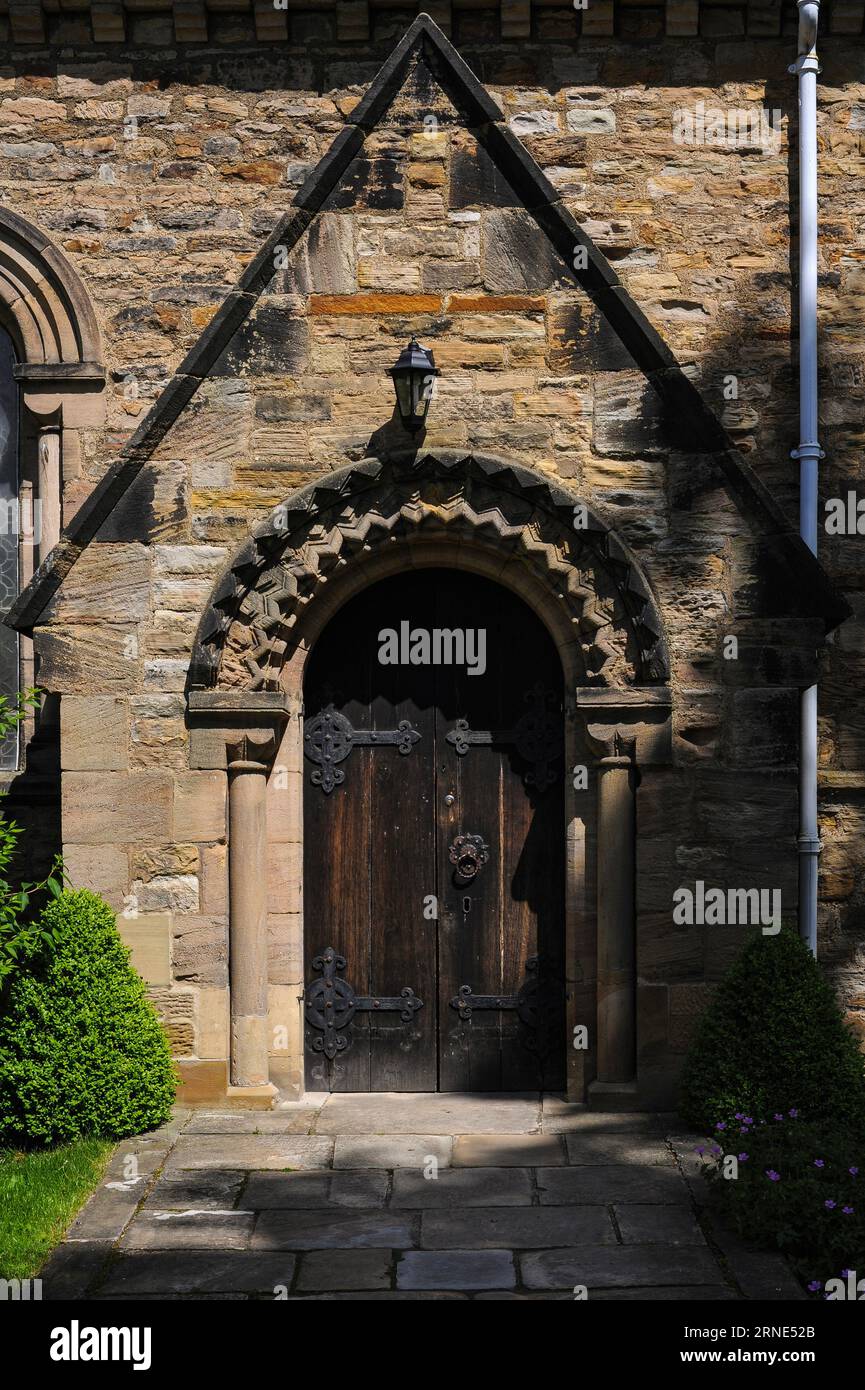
<point>218,229</point>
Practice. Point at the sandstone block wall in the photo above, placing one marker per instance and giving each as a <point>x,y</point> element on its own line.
<point>160,170</point>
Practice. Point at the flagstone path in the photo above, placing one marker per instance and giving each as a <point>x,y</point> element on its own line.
<point>408,1197</point>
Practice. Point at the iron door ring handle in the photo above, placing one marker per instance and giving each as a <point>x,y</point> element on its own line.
<point>469,853</point>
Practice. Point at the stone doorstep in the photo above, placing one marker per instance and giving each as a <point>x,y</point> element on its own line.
<point>436,1114</point>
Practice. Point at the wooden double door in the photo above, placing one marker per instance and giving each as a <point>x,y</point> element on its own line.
<point>434,842</point>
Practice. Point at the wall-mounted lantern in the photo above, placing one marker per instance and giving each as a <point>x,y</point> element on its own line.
<point>414,375</point>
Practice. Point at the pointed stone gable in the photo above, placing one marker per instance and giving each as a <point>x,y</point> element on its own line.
<point>531,246</point>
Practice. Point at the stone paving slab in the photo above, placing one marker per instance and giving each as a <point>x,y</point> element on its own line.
<point>483,1228</point>
<point>396,1113</point>
<point>190,1230</point>
<point>562,1117</point>
<point>234,1205</point>
<point>299,1190</point>
<point>392,1295</point>
<point>334,1230</point>
<point>250,1151</point>
<point>603,1266</point>
<point>300,1121</point>
<point>323,1270</point>
<point>107,1212</point>
<point>508,1151</point>
<point>72,1268</point>
<point>595,1148</point>
<point>657,1225</point>
<point>216,1188</point>
<point>612,1183</point>
<point>386,1151</point>
<point>464,1187</point>
<point>701,1293</point>
<point>456,1269</point>
<point>199,1271</point>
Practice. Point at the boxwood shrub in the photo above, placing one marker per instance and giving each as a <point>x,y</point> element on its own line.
<point>773,1039</point>
<point>82,1051</point>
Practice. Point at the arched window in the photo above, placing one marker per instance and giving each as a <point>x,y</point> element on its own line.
<point>51,384</point>
<point>13,520</point>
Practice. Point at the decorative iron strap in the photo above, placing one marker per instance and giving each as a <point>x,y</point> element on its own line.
<point>331,1004</point>
<point>536,1005</point>
<point>329,738</point>
<point>536,736</point>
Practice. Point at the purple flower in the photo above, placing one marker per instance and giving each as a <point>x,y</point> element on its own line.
<point>853,1171</point>
<point>738,1115</point>
<point>720,1125</point>
<point>772,1175</point>
<point>793,1113</point>
<point>777,1117</point>
<point>716,1149</point>
<point>848,1211</point>
<point>744,1131</point>
<point>748,1119</point>
<point>829,1204</point>
<point>815,1286</point>
<point>819,1163</point>
<point>699,1150</point>
<point>743,1158</point>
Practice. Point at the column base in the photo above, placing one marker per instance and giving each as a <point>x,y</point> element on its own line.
<point>613,1095</point>
<point>251,1097</point>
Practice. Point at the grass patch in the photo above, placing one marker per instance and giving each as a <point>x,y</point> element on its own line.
<point>40,1193</point>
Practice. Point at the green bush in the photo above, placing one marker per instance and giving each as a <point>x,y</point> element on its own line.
<point>82,1051</point>
<point>20,930</point>
<point>797,1186</point>
<point>773,1039</point>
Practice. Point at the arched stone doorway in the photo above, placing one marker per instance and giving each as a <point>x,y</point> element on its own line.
<point>325,545</point>
<point>434,850</point>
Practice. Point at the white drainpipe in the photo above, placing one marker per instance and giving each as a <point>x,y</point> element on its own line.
<point>809,452</point>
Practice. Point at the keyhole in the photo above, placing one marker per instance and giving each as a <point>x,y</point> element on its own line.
<point>467,904</point>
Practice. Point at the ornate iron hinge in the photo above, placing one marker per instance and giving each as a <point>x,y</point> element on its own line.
<point>536,736</point>
<point>331,1004</point>
<point>538,1000</point>
<point>329,738</point>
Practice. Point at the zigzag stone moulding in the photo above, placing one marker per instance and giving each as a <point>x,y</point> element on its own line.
<point>255,615</point>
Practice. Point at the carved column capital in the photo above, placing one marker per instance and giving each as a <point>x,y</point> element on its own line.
<point>251,750</point>
<point>633,723</point>
<point>236,729</point>
<point>615,746</point>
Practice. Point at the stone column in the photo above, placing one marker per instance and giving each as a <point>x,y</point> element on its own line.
<point>240,730</point>
<point>26,566</point>
<point>629,729</point>
<point>247,888</point>
<point>617,953</point>
<point>49,489</point>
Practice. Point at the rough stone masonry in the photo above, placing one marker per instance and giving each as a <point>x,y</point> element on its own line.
<point>157,158</point>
